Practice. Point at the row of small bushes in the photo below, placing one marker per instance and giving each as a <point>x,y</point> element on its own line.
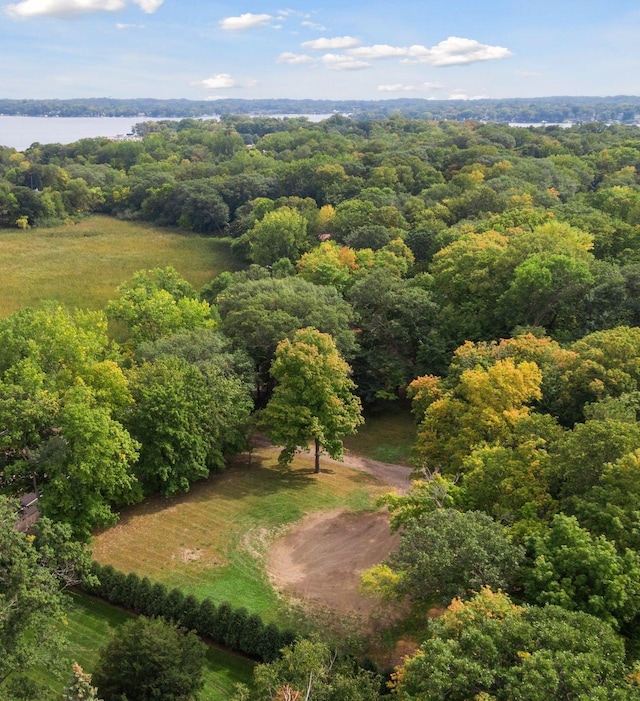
<point>234,628</point>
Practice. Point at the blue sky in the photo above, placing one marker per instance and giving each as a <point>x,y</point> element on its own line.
<point>334,49</point>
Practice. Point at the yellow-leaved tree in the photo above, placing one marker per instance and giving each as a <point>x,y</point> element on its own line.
<point>483,408</point>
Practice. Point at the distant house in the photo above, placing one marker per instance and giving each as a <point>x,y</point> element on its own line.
<point>28,513</point>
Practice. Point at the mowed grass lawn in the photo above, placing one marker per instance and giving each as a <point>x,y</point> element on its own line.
<point>90,625</point>
<point>81,265</point>
<point>213,541</point>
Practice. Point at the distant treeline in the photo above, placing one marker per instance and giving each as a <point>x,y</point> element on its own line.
<point>621,109</point>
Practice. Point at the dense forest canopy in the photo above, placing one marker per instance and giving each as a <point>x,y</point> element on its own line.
<point>489,273</point>
<point>624,109</point>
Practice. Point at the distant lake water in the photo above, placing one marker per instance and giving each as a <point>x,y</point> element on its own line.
<point>21,132</point>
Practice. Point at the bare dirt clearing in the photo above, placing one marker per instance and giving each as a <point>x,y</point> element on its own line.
<point>320,559</point>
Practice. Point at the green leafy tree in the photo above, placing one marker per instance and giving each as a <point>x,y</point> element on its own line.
<point>488,648</point>
<point>279,234</point>
<point>610,508</point>
<point>446,553</point>
<point>90,469</point>
<point>581,572</point>
<point>150,660</point>
<point>61,392</point>
<point>313,398</point>
<point>258,314</point>
<point>157,303</point>
<point>187,417</point>
<point>32,611</point>
<point>545,290</point>
<point>397,336</point>
<point>169,419</point>
<point>580,456</point>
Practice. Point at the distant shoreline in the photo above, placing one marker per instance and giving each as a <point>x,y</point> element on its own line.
<point>620,109</point>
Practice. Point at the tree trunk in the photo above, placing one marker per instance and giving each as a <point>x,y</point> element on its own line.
<point>317,468</point>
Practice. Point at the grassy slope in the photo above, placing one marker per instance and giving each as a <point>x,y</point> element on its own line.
<point>90,624</point>
<point>211,541</point>
<point>81,264</point>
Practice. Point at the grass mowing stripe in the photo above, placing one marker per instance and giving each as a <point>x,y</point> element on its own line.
<point>90,624</point>
<point>213,541</point>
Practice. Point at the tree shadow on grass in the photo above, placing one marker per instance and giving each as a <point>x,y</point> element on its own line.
<point>257,473</point>
<point>246,475</point>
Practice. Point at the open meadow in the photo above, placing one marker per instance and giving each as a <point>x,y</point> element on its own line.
<point>81,264</point>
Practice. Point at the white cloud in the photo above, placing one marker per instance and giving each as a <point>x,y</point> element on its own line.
<point>450,52</point>
<point>62,8</point>
<point>378,51</point>
<point>455,51</point>
<point>295,13</point>
<point>396,87</point>
<point>119,25</point>
<point>324,43</point>
<point>148,6</point>
<point>400,87</point>
<point>245,21</point>
<point>294,59</point>
<point>342,62</point>
<point>463,96</point>
<point>218,82</point>
<point>313,25</point>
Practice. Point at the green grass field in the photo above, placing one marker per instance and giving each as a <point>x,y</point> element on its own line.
<point>81,265</point>
<point>388,435</point>
<point>90,625</point>
<point>212,541</point>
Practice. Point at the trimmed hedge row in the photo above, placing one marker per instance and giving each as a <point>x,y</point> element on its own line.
<point>232,627</point>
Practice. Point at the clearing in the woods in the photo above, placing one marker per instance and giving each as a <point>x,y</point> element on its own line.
<point>260,536</point>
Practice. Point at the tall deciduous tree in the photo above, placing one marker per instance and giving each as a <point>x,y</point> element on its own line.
<point>582,572</point>
<point>446,553</point>
<point>313,398</point>
<point>60,393</point>
<point>485,406</point>
<point>280,234</point>
<point>258,314</point>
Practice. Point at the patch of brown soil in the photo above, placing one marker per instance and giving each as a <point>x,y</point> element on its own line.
<point>321,558</point>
